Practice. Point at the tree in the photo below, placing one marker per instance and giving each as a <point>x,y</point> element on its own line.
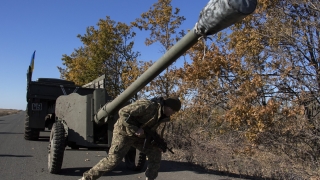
<point>162,22</point>
<point>262,70</point>
<point>282,40</point>
<point>285,35</point>
<point>256,79</point>
<point>106,51</point>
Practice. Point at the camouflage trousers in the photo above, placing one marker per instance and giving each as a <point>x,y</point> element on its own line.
<point>120,145</point>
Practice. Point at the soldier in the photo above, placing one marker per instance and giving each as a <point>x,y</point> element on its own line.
<point>128,131</point>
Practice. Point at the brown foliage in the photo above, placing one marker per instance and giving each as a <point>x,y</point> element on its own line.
<point>107,51</point>
<point>162,22</point>
<point>261,71</point>
<point>245,94</point>
<point>245,99</point>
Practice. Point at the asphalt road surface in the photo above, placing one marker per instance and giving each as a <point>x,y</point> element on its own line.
<point>27,160</point>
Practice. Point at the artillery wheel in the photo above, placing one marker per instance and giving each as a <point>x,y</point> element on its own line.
<point>56,148</point>
<point>30,133</point>
<point>135,159</point>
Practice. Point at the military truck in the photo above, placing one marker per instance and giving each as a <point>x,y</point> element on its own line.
<point>41,101</point>
<point>42,96</point>
<point>86,121</point>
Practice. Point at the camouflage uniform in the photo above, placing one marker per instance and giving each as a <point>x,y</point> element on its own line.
<point>142,113</point>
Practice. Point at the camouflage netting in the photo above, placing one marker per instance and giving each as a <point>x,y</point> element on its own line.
<point>220,14</point>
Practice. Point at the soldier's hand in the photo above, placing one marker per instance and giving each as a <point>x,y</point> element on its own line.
<point>139,133</point>
<point>160,150</point>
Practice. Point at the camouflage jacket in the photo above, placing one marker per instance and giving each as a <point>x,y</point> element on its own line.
<point>140,114</point>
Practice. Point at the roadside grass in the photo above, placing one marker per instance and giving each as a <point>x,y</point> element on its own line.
<point>286,156</point>
<point>245,160</point>
<point>5,112</point>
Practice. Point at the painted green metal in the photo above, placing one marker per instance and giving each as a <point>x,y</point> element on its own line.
<point>216,16</point>
<point>166,60</point>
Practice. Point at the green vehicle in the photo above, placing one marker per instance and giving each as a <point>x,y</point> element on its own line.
<point>41,101</point>
<point>48,96</point>
<point>86,120</point>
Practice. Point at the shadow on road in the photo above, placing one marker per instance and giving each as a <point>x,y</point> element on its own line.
<point>172,166</point>
<point>10,155</point>
<point>9,132</point>
<point>44,138</point>
<point>166,166</point>
<point>118,171</point>
<point>41,138</point>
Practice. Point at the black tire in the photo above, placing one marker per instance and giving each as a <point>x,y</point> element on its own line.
<point>29,133</point>
<point>56,148</point>
<point>135,159</point>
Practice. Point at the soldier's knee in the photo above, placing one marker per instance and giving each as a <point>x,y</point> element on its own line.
<point>113,159</point>
<point>155,155</point>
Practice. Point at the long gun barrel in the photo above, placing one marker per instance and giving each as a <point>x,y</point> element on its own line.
<point>214,17</point>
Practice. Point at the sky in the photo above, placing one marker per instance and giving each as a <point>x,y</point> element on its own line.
<point>50,27</point>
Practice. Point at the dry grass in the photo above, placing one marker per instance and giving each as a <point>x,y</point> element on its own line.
<point>232,154</point>
<point>4,112</point>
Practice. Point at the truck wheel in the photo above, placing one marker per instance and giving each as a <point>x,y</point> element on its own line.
<point>135,159</point>
<point>29,133</point>
<point>56,148</point>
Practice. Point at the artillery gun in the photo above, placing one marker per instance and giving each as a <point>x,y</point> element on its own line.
<point>86,121</point>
